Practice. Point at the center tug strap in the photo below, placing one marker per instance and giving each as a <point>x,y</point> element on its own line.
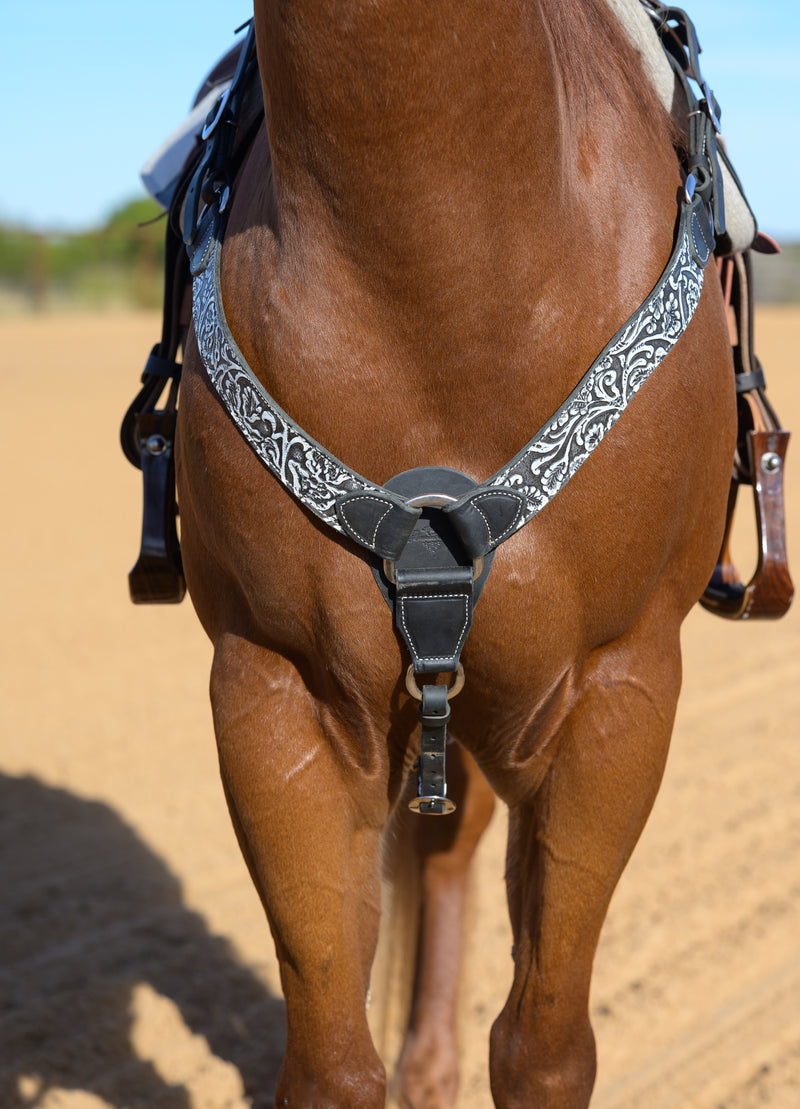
<point>432,531</point>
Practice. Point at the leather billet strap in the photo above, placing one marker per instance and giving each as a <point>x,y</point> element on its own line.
<point>162,370</point>
<point>210,187</point>
<point>379,520</point>
<point>682,48</point>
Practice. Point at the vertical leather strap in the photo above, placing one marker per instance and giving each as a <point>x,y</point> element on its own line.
<point>433,611</point>
<point>434,714</point>
<point>157,577</point>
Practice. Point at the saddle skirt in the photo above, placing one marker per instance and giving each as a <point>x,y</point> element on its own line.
<point>165,168</point>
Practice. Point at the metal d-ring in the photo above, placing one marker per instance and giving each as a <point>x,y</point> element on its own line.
<point>453,691</point>
<point>430,500</point>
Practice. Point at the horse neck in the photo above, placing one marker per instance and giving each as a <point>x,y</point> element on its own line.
<point>399,123</point>
<point>379,112</point>
<point>455,171</point>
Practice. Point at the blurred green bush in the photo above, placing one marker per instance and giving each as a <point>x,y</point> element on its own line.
<point>120,265</point>
<point>117,265</point>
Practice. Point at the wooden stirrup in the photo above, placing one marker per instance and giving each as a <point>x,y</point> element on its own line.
<point>769,592</point>
<point>760,461</point>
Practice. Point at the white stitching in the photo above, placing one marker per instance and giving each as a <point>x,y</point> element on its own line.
<point>510,528</point>
<point>225,365</point>
<point>355,531</point>
<point>483,517</point>
<point>436,597</point>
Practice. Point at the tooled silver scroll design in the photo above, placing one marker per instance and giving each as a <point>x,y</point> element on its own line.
<point>541,469</point>
<point>559,449</point>
<point>307,470</point>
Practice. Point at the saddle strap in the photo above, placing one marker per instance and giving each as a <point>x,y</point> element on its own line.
<point>162,369</point>
<point>706,158</point>
<point>148,436</point>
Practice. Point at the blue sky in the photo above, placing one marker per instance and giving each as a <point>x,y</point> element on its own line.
<point>90,89</point>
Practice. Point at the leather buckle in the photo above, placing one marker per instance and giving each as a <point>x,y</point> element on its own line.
<point>215,115</point>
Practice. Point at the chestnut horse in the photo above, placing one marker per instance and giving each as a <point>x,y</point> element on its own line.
<point>452,207</point>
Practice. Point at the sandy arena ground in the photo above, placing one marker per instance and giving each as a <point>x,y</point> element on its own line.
<point>136,966</point>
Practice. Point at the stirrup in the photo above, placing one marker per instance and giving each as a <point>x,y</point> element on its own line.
<point>147,438</point>
<point>769,592</point>
<point>760,461</point>
<point>157,577</point>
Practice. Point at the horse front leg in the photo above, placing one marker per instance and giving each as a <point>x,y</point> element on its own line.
<point>427,1072</point>
<point>309,827</point>
<point>568,845</point>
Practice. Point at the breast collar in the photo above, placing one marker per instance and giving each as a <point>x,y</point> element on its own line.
<point>375,517</point>
<point>382,521</point>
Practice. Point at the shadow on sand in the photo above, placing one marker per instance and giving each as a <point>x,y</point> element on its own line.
<point>87,915</point>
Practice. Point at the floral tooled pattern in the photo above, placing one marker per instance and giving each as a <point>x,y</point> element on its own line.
<point>566,441</point>
<point>551,458</point>
<point>315,478</point>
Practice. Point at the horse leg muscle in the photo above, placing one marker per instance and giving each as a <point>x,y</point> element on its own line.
<point>313,848</point>
<point>427,1073</point>
<point>568,846</point>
